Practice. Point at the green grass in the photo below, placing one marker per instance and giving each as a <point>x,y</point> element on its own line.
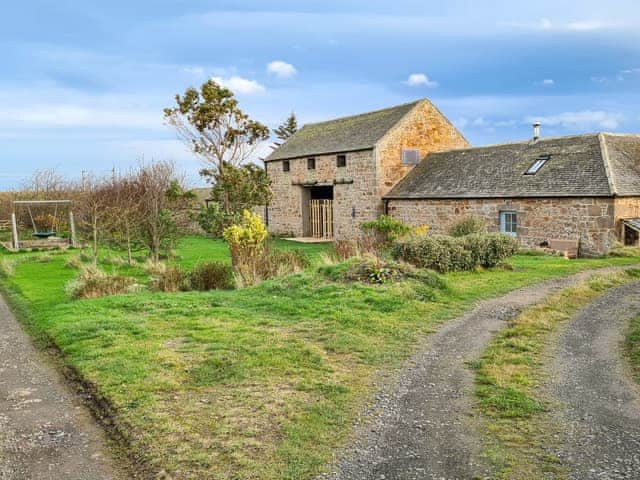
<point>632,347</point>
<point>517,433</point>
<point>259,383</point>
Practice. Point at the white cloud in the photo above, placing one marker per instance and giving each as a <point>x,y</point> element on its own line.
<point>195,71</point>
<point>545,24</point>
<point>420,80</point>
<point>547,82</point>
<point>240,85</point>
<point>281,69</point>
<point>580,120</point>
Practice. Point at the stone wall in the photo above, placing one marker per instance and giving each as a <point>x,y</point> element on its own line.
<point>625,207</point>
<point>353,203</point>
<point>424,129</point>
<point>373,173</point>
<point>538,219</point>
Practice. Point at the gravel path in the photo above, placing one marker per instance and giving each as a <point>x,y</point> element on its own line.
<point>45,433</point>
<point>600,404</point>
<point>422,425</point>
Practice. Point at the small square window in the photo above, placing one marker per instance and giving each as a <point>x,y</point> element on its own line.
<point>341,161</point>
<point>410,156</point>
<point>311,163</point>
<point>286,165</point>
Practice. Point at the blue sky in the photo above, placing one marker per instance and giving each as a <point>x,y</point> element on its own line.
<point>83,84</point>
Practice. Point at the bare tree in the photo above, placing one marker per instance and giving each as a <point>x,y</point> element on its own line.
<point>92,203</point>
<point>161,196</point>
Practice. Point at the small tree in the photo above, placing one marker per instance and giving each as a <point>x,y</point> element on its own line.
<point>286,129</point>
<point>213,125</point>
<point>123,213</point>
<point>92,203</point>
<point>161,198</point>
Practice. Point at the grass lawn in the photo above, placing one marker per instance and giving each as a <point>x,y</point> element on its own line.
<point>259,383</point>
<point>632,347</point>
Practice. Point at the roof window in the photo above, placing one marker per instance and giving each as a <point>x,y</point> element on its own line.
<point>537,165</point>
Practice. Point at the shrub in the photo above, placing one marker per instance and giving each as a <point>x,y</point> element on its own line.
<point>246,242</point>
<point>445,254</point>
<point>213,219</point>
<point>620,250</point>
<point>211,276</point>
<point>7,267</point>
<point>170,279</point>
<point>154,268</point>
<point>93,282</point>
<point>73,261</point>
<point>386,229</point>
<point>114,260</point>
<point>419,231</point>
<point>468,226</point>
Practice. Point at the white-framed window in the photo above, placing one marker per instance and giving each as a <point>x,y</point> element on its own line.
<point>509,223</point>
<point>410,156</point>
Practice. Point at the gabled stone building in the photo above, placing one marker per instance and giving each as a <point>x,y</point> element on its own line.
<point>331,176</point>
<point>582,188</point>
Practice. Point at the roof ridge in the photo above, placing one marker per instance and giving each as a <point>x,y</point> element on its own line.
<point>604,151</point>
<point>414,102</point>
<point>521,142</point>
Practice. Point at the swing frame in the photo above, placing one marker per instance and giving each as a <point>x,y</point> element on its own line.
<point>45,239</point>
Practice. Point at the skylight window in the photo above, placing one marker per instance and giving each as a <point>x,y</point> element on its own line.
<point>537,165</point>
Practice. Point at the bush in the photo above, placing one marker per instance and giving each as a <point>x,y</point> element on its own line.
<point>468,226</point>
<point>74,261</point>
<point>154,268</point>
<point>93,283</point>
<point>246,242</point>
<point>170,279</point>
<point>386,229</point>
<point>7,267</point>
<point>445,254</point>
<point>211,276</point>
<point>213,219</point>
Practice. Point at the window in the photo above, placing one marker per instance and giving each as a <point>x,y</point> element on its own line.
<point>311,163</point>
<point>410,157</point>
<point>537,165</point>
<point>509,223</point>
<point>341,161</point>
<point>286,166</point>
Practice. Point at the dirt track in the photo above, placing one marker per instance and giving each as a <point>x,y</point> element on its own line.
<point>599,405</point>
<point>45,432</point>
<point>423,424</point>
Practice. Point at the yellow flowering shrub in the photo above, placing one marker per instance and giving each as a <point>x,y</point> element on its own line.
<point>246,242</point>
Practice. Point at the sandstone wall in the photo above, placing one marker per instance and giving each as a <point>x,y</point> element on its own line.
<point>424,129</point>
<point>625,207</point>
<point>353,203</point>
<point>589,219</point>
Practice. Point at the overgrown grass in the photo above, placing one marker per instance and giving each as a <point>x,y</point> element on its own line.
<point>259,383</point>
<point>632,347</point>
<point>509,375</point>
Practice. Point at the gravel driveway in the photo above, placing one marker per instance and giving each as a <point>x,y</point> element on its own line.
<point>423,424</point>
<point>45,433</point>
<point>600,405</point>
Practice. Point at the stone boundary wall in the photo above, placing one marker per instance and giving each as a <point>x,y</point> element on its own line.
<point>539,219</point>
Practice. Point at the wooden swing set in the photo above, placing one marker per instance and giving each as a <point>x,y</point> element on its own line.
<point>44,236</point>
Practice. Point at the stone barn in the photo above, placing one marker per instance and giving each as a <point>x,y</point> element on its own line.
<point>580,188</point>
<point>331,176</point>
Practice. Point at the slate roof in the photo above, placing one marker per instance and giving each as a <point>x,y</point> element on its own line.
<point>633,223</point>
<point>593,165</point>
<point>346,134</point>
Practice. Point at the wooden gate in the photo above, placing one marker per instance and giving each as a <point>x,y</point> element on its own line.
<point>321,221</point>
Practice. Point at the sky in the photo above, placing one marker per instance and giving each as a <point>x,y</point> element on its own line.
<point>83,84</point>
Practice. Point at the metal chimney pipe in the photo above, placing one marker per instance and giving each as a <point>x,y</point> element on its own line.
<point>536,131</point>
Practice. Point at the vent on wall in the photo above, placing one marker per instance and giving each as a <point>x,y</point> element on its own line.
<point>410,156</point>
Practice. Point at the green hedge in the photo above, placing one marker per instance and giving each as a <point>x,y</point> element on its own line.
<point>446,254</point>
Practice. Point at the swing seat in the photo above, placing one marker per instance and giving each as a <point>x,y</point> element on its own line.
<point>43,234</point>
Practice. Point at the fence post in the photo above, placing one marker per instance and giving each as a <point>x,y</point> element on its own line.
<point>14,232</point>
<point>72,227</point>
